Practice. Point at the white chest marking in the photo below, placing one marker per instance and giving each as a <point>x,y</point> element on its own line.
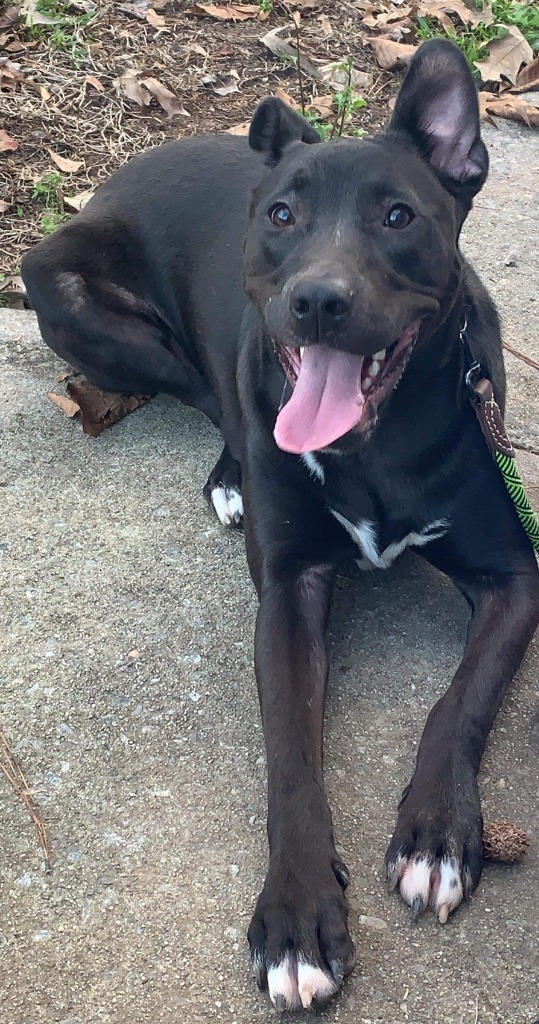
<point>364,535</point>
<point>314,466</point>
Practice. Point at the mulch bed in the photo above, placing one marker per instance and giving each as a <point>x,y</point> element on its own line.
<point>70,101</point>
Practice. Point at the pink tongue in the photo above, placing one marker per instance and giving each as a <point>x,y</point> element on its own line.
<point>325,403</point>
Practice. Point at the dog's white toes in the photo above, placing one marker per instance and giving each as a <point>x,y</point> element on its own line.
<point>447,891</point>
<point>228,504</point>
<point>313,984</point>
<point>415,882</point>
<point>424,881</point>
<point>283,985</point>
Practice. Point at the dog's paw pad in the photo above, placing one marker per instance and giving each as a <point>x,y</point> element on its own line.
<point>228,505</point>
<point>424,881</point>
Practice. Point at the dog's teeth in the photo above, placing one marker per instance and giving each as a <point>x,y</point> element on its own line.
<point>366,384</point>
<point>374,368</point>
<point>379,356</point>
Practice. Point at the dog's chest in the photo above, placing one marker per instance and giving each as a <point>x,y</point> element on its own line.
<point>380,532</point>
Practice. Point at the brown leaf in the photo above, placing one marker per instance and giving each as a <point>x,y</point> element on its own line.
<point>325,25</point>
<point>7,144</point>
<point>79,201</point>
<point>528,78</point>
<point>239,129</point>
<point>390,55</point>
<point>232,12</point>
<point>9,17</point>
<point>101,409</point>
<point>510,107</point>
<point>44,94</point>
<point>15,47</point>
<point>322,105</point>
<point>285,97</point>
<point>10,75</point>
<point>468,15</point>
<point>95,83</point>
<point>307,5</point>
<point>65,165</point>
<point>67,405</point>
<point>13,285</point>
<point>128,85</point>
<point>4,206</point>
<point>506,57</point>
<point>338,77</point>
<point>166,99</point>
<point>156,20</point>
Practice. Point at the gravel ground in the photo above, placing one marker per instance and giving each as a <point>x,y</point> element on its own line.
<point>127,691</point>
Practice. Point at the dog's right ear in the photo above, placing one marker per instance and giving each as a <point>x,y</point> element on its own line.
<point>274,126</point>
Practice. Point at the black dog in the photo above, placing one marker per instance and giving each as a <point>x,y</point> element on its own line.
<point>355,285</point>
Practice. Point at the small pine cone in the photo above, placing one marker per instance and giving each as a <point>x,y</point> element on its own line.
<point>504,842</point>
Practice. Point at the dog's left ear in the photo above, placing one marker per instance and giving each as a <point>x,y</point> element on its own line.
<point>274,126</point>
<point>438,108</point>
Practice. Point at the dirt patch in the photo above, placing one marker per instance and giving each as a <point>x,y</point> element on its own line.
<point>62,95</point>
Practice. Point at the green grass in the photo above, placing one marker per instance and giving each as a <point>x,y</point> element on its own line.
<point>266,6</point>
<point>347,103</point>
<point>474,42</point>
<point>48,192</point>
<point>65,34</point>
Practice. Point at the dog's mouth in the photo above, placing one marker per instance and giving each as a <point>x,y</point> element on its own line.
<point>334,392</point>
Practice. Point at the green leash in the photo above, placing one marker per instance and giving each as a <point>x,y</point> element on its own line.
<point>513,482</point>
<point>490,419</point>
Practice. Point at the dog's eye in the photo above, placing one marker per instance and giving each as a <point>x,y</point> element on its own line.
<point>281,215</point>
<point>399,216</point>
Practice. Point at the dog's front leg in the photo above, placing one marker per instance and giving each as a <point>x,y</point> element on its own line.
<point>435,856</point>
<point>300,945</point>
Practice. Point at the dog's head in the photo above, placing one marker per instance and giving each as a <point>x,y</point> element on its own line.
<point>351,253</point>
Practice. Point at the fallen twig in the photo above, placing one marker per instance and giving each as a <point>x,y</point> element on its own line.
<point>15,775</point>
<point>521,355</point>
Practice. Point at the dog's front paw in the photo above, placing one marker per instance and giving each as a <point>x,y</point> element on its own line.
<point>300,945</point>
<point>435,857</point>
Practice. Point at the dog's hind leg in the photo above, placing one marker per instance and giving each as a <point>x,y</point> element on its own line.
<point>87,286</point>
<point>223,490</point>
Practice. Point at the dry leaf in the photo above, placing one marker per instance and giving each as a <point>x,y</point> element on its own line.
<point>101,409</point>
<point>15,47</point>
<point>10,75</point>
<point>528,78</point>
<point>44,94</point>
<point>322,105</point>
<point>166,99</point>
<point>282,48</point>
<point>128,85</point>
<point>307,5</point>
<point>325,25</point>
<point>4,206</point>
<point>468,15</point>
<point>65,165</point>
<point>285,97</point>
<point>79,201</point>
<point>9,17</point>
<point>223,85</point>
<point>506,57</point>
<point>67,405</point>
<point>338,77</point>
<point>511,108</point>
<point>7,144</point>
<point>239,129</point>
<point>13,285</point>
<point>95,83</point>
<point>156,20</point>
<point>391,55</point>
<point>232,12</point>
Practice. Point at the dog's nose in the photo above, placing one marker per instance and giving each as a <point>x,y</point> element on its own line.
<point>319,308</point>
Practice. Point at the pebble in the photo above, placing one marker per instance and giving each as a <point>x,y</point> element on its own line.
<point>373,922</point>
